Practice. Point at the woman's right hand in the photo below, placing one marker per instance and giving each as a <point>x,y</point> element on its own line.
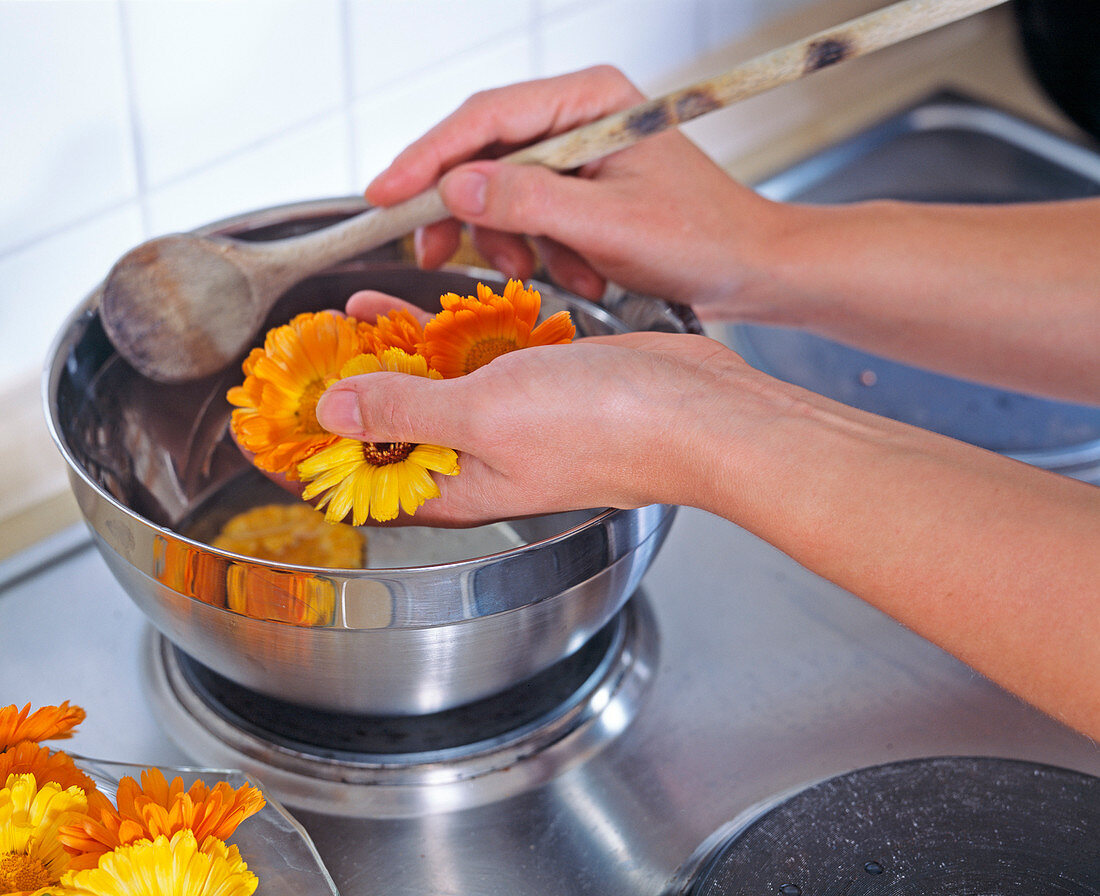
<point>659,217</point>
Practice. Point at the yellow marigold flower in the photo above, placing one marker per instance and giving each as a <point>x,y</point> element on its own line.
<point>48,767</point>
<point>46,723</point>
<point>31,854</point>
<point>292,533</point>
<point>275,417</point>
<point>472,330</point>
<point>164,866</point>
<point>398,329</point>
<point>157,808</point>
<point>376,479</point>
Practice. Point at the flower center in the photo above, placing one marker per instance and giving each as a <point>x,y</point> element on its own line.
<point>484,350</point>
<point>380,454</point>
<point>22,872</point>
<point>307,407</point>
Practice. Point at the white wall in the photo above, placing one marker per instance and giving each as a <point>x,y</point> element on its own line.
<point>124,119</point>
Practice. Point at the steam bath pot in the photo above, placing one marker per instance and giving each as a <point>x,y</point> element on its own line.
<point>450,616</point>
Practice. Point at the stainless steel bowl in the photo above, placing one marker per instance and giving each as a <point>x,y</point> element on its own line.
<point>155,475</point>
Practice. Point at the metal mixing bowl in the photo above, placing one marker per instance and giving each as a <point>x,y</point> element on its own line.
<point>155,475</point>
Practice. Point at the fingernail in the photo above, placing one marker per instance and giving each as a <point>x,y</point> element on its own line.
<point>338,412</point>
<point>418,244</point>
<point>466,191</point>
<point>379,178</point>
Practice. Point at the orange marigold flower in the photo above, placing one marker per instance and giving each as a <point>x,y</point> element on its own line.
<point>472,330</point>
<point>48,767</point>
<point>398,329</point>
<point>45,723</point>
<point>275,417</point>
<point>159,808</point>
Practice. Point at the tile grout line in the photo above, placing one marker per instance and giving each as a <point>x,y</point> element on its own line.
<point>137,145</point>
<point>349,93</point>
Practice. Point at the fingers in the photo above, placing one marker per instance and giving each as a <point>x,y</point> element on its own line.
<point>524,199</point>
<point>437,243</point>
<point>570,271</point>
<point>368,304</point>
<point>494,121</point>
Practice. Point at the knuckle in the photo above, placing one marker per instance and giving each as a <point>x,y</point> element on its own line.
<point>524,200</point>
<point>385,413</point>
<point>612,81</point>
<point>480,102</point>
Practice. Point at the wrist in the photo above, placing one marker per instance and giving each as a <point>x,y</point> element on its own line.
<point>759,263</point>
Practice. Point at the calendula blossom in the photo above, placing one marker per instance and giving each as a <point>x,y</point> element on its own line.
<point>471,331</point>
<point>48,767</point>
<point>45,723</point>
<point>398,329</point>
<point>60,835</point>
<point>376,479</point>
<point>159,808</point>
<point>32,855</point>
<point>176,866</point>
<point>275,417</point>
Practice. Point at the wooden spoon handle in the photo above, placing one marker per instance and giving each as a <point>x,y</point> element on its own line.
<point>857,37</point>
<point>276,265</point>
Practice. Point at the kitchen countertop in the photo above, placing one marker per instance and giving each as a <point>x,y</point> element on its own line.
<point>979,56</point>
<point>761,679</point>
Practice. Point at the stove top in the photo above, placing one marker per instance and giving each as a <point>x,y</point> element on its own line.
<point>764,680</point>
<point>378,766</point>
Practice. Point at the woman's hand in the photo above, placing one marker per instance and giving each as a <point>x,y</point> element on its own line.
<point>659,217</point>
<point>564,427</point>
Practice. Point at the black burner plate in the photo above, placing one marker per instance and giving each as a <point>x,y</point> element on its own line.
<point>344,735</point>
<point>963,826</point>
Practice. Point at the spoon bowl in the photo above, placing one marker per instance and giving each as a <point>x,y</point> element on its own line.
<point>174,340</point>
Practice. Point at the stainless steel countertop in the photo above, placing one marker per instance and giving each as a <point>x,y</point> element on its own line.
<point>768,678</point>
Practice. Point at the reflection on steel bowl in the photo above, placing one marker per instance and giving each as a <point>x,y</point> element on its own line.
<point>456,615</point>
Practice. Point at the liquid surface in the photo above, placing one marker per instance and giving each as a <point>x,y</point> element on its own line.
<point>423,546</point>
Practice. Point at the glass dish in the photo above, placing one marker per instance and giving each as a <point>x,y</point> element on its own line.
<point>276,847</point>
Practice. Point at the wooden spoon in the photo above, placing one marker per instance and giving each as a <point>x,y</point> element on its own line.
<point>183,306</point>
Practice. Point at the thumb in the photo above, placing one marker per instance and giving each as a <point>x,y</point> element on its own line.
<point>516,198</point>
<point>390,407</point>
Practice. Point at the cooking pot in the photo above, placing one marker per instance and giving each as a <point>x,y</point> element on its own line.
<point>450,617</point>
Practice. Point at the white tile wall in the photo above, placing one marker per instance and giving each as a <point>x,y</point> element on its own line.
<point>645,38</point>
<point>124,119</point>
<point>64,122</point>
<point>385,121</point>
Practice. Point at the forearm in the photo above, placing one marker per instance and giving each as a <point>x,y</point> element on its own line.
<point>1006,294</point>
<point>993,560</point>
